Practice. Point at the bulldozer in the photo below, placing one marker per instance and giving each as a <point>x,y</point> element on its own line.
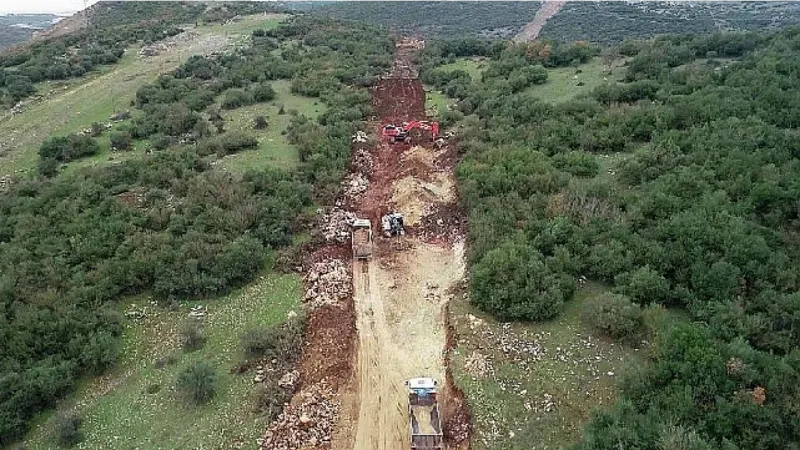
<point>392,224</point>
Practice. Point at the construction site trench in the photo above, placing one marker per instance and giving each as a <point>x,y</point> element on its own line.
<point>375,323</point>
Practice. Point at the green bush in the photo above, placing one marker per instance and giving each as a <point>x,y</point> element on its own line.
<point>67,431</point>
<point>121,140</point>
<point>514,283</point>
<point>616,316</point>
<point>281,343</point>
<point>643,285</point>
<point>192,335</point>
<point>236,98</point>
<point>69,147</point>
<point>260,123</point>
<point>263,92</point>
<point>198,383</point>
<point>48,167</point>
<point>160,141</point>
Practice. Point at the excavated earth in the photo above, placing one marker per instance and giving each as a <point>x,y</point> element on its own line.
<point>373,324</point>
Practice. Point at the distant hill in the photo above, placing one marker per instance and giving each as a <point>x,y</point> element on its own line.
<point>18,28</point>
<point>597,21</point>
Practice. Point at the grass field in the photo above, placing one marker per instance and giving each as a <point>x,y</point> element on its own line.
<point>436,101</point>
<point>69,107</point>
<point>274,150</point>
<point>473,66</point>
<point>538,382</point>
<point>566,83</point>
<point>119,410</point>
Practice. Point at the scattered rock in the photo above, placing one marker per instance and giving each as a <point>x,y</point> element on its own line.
<point>306,424</point>
<point>478,365</point>
<point>289,380</point>
<point>335,225</point>
<point>330,283</point>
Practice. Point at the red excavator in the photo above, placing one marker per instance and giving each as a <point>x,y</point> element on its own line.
<point>403,132</point>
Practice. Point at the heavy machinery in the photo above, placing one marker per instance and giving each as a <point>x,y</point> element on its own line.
<point>361,235</point>
<point>403,133</point>
<point>392,224</point>
<point>423,410</point>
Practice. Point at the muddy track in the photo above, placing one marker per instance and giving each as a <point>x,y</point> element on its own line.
<point>374,324</point>
<point>401,294</point>
<point>532,29</point>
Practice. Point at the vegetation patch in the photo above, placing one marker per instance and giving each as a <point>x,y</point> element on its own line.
<point>138,403</point>
<point>656,185</point>
<point>273,148</point>
<point>167,223</point>
<point>535,382</point>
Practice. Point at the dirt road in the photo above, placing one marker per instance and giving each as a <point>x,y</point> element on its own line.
<point>374,324</point>
<point>401,294</point>
<point>532,29</point>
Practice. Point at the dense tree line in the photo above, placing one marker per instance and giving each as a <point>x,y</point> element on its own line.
<point>436,19</point>
<point>167,223</point>
<point>611,22</point>
<point>699,214</point>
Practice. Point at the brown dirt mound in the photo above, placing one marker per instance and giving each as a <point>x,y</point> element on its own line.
<point>399,100</point>
<point>416,198</point>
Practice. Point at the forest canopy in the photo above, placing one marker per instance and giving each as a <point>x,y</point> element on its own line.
<point>169,223</point>
<point>676,187</point>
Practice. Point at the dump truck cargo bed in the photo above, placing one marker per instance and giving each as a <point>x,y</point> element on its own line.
<point>423,410</point>
<point>426,432</point>
<point>362,239</point>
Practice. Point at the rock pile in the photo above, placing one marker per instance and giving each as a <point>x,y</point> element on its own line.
<point>355,185</point>
<point>330,284</point>
<point>363,161</point>
<point>335,225</point>
<point>197,312</point>
<point>306,425</point>
<point>478,365</point>
<point>289,380</point>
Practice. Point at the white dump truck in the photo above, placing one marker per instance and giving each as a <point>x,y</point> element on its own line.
<point>423,410</point>
<point>362,239</point>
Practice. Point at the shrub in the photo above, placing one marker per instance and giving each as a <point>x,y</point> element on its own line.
<point>160,141</point>
<point>48,167</point>
<point>192,335</point>
<point>67,429</point>
<point>236,98</point>
<point>643,285</point>
<point>616,316</point>
<point>97,129</point>
<point>121,140</point>
<point>281,342</point>
<point>198,383</point>
<point>233,142</point>
<point>513,282</point>
<point>263,92</point>
<point>268,399</point>
<point>164,361</point>
<point>67,148</point>
<point>260,123</point>
<point>100,353</point>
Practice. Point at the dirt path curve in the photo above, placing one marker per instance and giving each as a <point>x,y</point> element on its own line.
<point>401,294</point>
<point>532,29</point>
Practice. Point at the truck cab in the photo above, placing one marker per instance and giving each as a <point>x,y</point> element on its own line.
<point>423,409</point>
